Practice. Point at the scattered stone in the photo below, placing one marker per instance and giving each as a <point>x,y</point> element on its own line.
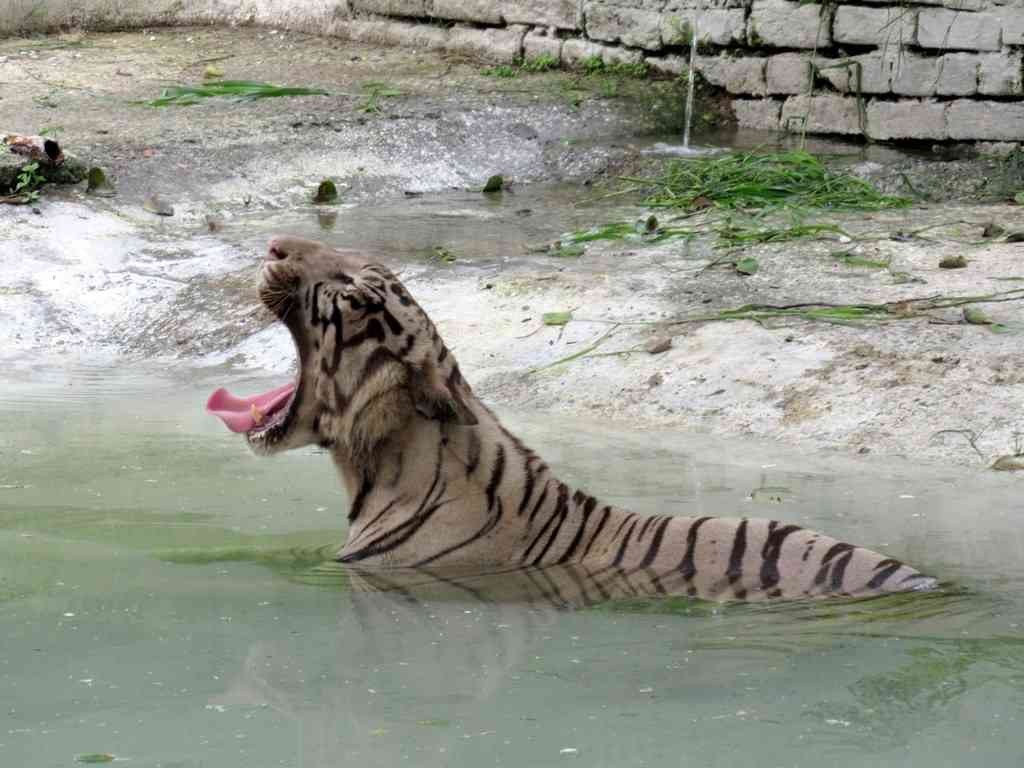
<point>214,223</point>
<point>212,71</point>
<point>411,193</point>
<point>158,205</point>
<point>1012,463</point>
<point>655,380</point>
<point>494,184</point>
<point>326,192</point>
<point>991,230</point>
<point>658,344</point>
<point>1015,237</point>
<point>953,262</point>
<point>975,316</point>
<point>747,266</point>
<point>98,184</point>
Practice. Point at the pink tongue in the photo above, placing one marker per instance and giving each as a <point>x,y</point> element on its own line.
<point>242,414</point>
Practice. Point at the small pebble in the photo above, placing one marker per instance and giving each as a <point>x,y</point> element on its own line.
<point>658,345</point>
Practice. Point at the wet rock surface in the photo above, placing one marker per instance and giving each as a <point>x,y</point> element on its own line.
<point>102,277</point>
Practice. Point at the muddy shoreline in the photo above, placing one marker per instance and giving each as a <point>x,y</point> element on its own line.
<point>103,278</point>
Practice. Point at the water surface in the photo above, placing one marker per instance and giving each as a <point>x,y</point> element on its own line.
<point>163,598</point>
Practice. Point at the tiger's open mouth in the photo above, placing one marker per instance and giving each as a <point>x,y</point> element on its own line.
<point>258,416</point>
<point>265,418</point>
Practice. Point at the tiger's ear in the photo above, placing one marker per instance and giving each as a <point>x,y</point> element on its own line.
<point>434,399</point>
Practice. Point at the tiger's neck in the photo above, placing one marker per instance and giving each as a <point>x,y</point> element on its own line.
<point>438,496</point>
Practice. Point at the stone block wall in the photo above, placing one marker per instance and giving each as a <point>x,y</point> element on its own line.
<point>884,69</point>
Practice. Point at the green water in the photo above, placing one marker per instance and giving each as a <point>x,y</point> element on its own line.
<point>160,601</point>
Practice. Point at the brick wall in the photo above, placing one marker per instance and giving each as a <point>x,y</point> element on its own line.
<point>887,69</point>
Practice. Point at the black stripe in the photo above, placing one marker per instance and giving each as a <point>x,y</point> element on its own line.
<point>415,522</point>
<point>588,507</point>
<point>373,331</point>
<point>652,550</point>
<point>402,297</point>
<point>314,314</point>
<point>442,354</point>
<point>826,562</point>
<point>402,533</point>
<point>772,551</point>
<point>840,570</point>
<point>378,516</point>
<point>625,542</point>
<point>687,566</point>
<point>393,325</point>
<point>339,341</point>
<point>560,506</point>
<point>562,510</point>
<point>410,339</point>
<point>472,453</point>
<point>810,545</point>
<point>538,505</point>
<point>600,527</point>
<point>888,568</point>
<point>622,525</point>
<point>497,471</point>
<point>485,529</point>
<point>531,478</point>
<point>365,486</point>
<point>380,357</point>
<point>739,548</point>
<point>643,529</point>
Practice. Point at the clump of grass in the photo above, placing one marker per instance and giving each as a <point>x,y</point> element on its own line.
<point>442,255</point>
<point>373,92</point>
<point>647,230</point>
<point>754,180</point>
<point>240,90</point>
<point>595,65</point>
<point>851,259</point>
<point>733,234</point>
<point>542,63</point>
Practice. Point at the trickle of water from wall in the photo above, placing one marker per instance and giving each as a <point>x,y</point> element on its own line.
<point>690,78</point>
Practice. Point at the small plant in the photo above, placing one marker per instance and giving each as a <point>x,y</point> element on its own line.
<point>593,65</point>
<point>681,31</point>
<point>442,254</point>
<point>608,87</point>
<point>501,70</point>
<point>29,182</point>
<point>636,70</point>
<point>240,90</point>
<point>542,63</point>
<point>373,92</point>
<point>326,192</point>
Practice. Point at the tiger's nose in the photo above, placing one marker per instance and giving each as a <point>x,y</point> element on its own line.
<point>276,250</point>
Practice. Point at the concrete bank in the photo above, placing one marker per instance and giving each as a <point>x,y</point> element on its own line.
<point>103,280</point>
<point>925,70</point>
